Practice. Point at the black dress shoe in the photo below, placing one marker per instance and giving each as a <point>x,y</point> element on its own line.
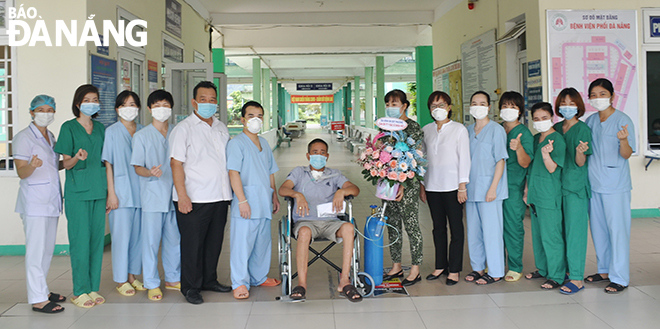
<point>388,277</point>
<point>451,282</point>
<point>435,277</point>
<point>217,287</point>
<point>194,297</point>
<point>407,283</point>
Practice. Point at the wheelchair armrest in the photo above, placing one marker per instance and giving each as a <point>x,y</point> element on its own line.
<point>288,199</point>
<point>348,197</point>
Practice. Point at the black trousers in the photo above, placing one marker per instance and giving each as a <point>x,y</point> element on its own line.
<point>444,206</point>
<point>202,231</point>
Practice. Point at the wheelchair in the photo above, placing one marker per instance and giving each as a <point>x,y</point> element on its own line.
<point>361,280</point>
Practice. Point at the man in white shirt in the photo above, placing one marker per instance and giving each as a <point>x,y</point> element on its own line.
<point>201,192</point>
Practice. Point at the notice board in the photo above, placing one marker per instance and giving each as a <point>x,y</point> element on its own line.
<point>479,70</point>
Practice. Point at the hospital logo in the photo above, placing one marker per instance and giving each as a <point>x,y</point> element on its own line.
<point>559,22</point>
<point>22,33</point>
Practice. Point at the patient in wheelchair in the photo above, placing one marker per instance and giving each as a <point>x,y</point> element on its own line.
<point>318,193</point>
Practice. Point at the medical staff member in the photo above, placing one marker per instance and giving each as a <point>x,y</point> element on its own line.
<point>252,171</point>
<point>404,210</point>
<point>151,161</point>
<point>85,191</point>
<point>39,201</point>
<point>487,188</point>
<point>543,194</point>
<point>521,152</point>
<point>447,147</point>
<point>575,187</point>
<point>613,143</point>
<point>123,200</point>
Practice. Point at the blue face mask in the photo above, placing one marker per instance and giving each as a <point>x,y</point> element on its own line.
<point>317,161</point>
<point>206,110</point>
<point>393,112</point>
<point>90,109</point>
<point>568,111</point>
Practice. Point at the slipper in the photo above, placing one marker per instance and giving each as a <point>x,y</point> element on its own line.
<point>515,276</point>
<point>138,285</point>
<point>570,285</point>
<point>241,292</point>
<point>270,282</point>
<point>94,296</point>
<point>81,300</point>
<point>299,291</point>
<point>553,284</point>
<point>351,293</point>
<point>488,279</point>
<point>595,278</point>
<point>534,275</point>
<point>176,287</point>
<point>124,288</point>
<point>152,293</point>
<point>618,288</point>
<point>474,275</point>
<point>56,298</point>
<point>48,308</point>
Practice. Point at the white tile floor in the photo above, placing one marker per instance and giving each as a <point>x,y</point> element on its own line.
<point>430,304</point>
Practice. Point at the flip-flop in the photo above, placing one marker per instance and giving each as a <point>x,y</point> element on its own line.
<point>241,295</point>
<point>94,296</point>
<point>124,288</point>
<point>570,285</point>
<point>515,276</point>
<point>176,287</point>
<point>152,293</point>
<point>535,275</point>
<point>300,291</point>
<point>270,282</point>
<point>350,292</point>
<point>488,279</point>
<point>48,308</point>
<point>56,298</point>
<point>618,288</point>
<point>81,300</point>
<point>553,284</point>
<point>595,278</point>
<point>474,275</point>
<point>139,286</point>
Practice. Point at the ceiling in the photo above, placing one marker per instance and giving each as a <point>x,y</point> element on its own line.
<point>302,6</point>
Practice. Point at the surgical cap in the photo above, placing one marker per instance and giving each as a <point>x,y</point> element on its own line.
<point>40,100</point>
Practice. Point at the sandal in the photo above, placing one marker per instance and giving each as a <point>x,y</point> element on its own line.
<point>153,294</point>
<point>515,276</point>
<point>351,293</point>
<point>56,298</point>
<point>533,275</point>
<point>81,300</point>
<point>270,282</point>
<point>176,287</point>
<point>474,275</point>
<point>48,308</point>
<point>487,279</point>
<point>553,284</point>
<point>595,278</point>
<point>125,288</point>
<point>299,292</point>
<point>617,288</point>
<point>573,288</point>
<point>139,286</point>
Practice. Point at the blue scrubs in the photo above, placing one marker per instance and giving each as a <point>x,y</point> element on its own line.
<point>125,220</point>
<point>484,219</point>
<point>609,207</point>
<point>151,149</point>
<point>250,238</point>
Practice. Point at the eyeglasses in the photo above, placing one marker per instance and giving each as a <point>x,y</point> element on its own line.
<point>439,106</point>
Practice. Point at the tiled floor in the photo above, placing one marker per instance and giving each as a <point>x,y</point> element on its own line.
<point>430,304</point>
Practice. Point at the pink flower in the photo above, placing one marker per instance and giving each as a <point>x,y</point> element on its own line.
<point>411,174</point>
<point>379,164</point>
<point>402,177</point>
<point>363,156</point>
<point>375,154</point>
<point>373,173</point>
<point>385,157</point>
<point>420,153</point>
<point>367,166</point>
<point>393,164</point>
<point>389,148</point>
<point>392,175</point>
<point>369,150</point>
<point>382,173</point>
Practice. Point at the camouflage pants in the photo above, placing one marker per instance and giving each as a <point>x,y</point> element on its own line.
<point>405,213</point>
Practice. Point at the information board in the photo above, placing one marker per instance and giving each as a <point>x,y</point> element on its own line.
<point>479,70</point>
<point>104,77</point>
<point>447,78</point>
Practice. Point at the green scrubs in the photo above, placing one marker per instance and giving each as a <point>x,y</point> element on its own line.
<point>514,207</point>
<point>576,192</point>
<point>544,197</point>
<point>85,192</point>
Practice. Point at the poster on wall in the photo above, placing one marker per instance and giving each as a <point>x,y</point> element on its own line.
<point>479,70</point>
<point>584,45</point>
<point>104,77</point>
<point>447,78</point>
<point>152,75</point>
<point>173,17</point>
<point>534,86</point>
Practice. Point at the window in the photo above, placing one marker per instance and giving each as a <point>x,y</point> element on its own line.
<point>653,98</point>
<point>7,115</point>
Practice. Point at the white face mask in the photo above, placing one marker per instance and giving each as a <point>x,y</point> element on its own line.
<point>43,119</point>
<point>128,113</point>
<point>600,104</point>
<point>254,125</point>
<point>543,126</point>
<point>439,114</point>
<point>479,112</point>
<point>161,113</point>
<point>509,114</point>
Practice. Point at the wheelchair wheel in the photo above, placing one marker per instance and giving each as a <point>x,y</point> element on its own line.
<point>365,284</point>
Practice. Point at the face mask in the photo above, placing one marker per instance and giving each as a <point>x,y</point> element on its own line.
<point>600,104</point>
<point>206,110</point>
<point>479,112</point>
<point>543,126</point>
<point>43,119</point>
<point>568,111</point>
<point>128,113</point>
<point>393,112</point>
<point>90,109</point>
<point>161,113</point>
<point>509,114</point>
<point>317,161</point>
<point>439,114</point>
<point>316,174</point>
<point>254,125</point>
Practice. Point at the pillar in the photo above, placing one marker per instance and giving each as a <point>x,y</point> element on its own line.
<point>380,86</point>
<point>218,58</point>
<point>369,97</point>
<point>276,102</point>
<point>256,80</point>
<point>356,101</point>
<point>281,103</point>
<point>424,73</point>
<point>348,109</point>
<point>265,96</point>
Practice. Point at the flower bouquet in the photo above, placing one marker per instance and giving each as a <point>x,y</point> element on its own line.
<point>390,159</point>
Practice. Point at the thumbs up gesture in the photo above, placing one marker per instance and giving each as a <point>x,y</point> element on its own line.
<point>156,172</point>
<point>548,148</point>
<point>623,133</point>
<point>515,143</point>
<point>35,162</point>
<point>582,147</point>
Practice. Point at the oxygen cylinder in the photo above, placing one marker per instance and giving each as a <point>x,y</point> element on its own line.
<point>373,250</point>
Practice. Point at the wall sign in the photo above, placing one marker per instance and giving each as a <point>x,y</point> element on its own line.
<point>312,99</point>
<point>448,79</point>
<point>104,77</point>
<point>314,86</point>
<point>479,69</point>
<point>172,52</point>
<point>152,75</point>
<point>651,21</point>
<point>173,17</point>
<point>102,50</point>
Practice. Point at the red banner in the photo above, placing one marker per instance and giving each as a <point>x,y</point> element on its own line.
<point>312,99</point>
<point>337,125</point>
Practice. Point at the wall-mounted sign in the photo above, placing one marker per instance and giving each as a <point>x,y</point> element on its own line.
<point>104,77</point>
<point>312,99</point>
<point>651,22</point>
<point>172,52</point>
<point>314,86</point>
<point>152,75</point>
<point>391,124</point>
<point>337,125</point>
<point>102,50</point>
<point>173,17</point>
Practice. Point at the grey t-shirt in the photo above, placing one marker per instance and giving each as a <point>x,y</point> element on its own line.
<point>317,191</point>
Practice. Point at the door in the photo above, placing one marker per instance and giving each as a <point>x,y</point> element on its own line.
<point>181,79</point>
<point>131,77</point>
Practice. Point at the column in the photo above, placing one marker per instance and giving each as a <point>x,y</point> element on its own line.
<point>369,97</point>
<point>424,73</point>
<point>380,86</point>
<point>276,102</point>
<point>265,81</point>
<point>256,80</point>
<point>281,103</point>
<point>348,109</point>
<point>356,101</point>
<point>218,58</point>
